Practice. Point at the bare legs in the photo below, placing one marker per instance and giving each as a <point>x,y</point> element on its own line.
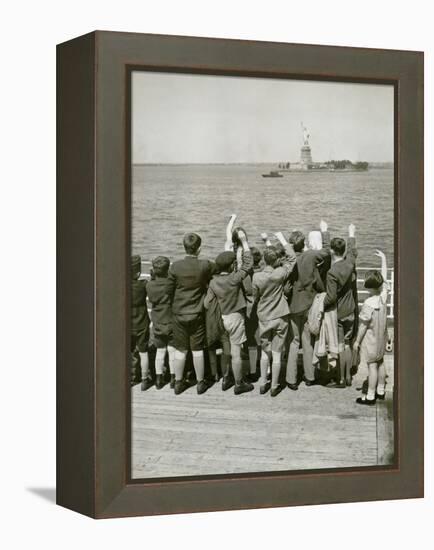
<point>236,362</point>
<point>345,364</point>
<point>199,365</point>
<point>275,369</point>
<point>376,379</point>
<point>265,362</point>
<point>144,363</point>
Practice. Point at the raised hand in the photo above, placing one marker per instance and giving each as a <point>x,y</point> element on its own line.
<point>232,220</point>
<point>352,230</point>
<point>279,236</point>
<point>241,235</point>
<point>265,238</point>
<point>229,229</point>
<point>380,254</point>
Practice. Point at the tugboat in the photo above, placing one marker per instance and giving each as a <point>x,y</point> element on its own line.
<point>272,174</point>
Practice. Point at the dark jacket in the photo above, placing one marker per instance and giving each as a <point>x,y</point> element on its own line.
<point>306,278</point>
<point>139,308</point>
<point>187,284</point>
<point>228,289</point>
<point>158,295</point>
<point>340,283</point>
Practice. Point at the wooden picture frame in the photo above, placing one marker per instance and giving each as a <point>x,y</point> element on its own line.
<point>93,171</point>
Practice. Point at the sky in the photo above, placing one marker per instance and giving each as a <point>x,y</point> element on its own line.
<point>180,118</point>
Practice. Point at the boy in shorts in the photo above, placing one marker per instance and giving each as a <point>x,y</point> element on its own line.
<point>227,287</point>
<point>140,321</point>
<point>273,310</point>
<point>161,316</point>
<point>187,285</point>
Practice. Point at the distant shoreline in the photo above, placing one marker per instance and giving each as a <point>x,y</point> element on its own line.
<point>387,165</point>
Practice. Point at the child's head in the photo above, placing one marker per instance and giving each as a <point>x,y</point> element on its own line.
<point>297,239</point>
<point>160,266</point>
<point>225,262</point>
<point>192,243</point>
<point>136,266</point>
<point>338,247</point>
<point>257,255</point>
<point>271,256</point>
<point>373,281</point>
<point>314,240</point>
<point>280,249</point>
<point>235,238</point>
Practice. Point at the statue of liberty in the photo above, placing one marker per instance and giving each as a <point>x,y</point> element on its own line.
<point>306,136</point>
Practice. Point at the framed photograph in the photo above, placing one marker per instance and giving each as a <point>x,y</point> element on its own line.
<point>240,274</point>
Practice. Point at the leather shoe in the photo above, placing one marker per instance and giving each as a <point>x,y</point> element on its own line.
<point>146,384</point>
<point>201,387</point>
<point>264,388</point>
<point>361,401</point>
<point>243,387</point>
<point>180,386</point>
<point>227,382</point>
<point>275,391</point>
<point>293,387</point>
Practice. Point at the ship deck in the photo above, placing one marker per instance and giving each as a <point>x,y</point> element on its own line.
<point>217,433</point>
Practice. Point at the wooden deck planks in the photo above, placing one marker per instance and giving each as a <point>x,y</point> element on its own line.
<point>219,432</point>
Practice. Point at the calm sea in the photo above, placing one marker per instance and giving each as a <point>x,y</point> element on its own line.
<point>171,200</point>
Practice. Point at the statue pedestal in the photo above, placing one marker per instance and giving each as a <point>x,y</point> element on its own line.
<point>305,155</point>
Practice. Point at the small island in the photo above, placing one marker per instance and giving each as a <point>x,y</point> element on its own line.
<point>306,164</point>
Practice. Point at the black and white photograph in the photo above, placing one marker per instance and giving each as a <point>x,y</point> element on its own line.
<point>262,275</point>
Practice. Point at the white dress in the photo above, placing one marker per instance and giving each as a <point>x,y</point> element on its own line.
<point>374,315</point>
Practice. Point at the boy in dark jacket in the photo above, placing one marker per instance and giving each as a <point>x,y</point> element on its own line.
<point>306,283</point>
<point>140,321</point>
<point>161,316</point>
<point>227,287</point>
<point>187,285</point>
<point>340,295</point>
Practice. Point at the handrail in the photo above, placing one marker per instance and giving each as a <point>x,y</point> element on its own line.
<point>361,290</point>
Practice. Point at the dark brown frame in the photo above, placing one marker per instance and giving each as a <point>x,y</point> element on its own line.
<point>93,173</point>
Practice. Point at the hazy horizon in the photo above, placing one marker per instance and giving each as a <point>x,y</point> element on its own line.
<point>246,163</point>
<point>208,119</point>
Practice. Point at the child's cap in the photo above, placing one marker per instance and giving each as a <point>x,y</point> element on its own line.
<point>136,264</point>
<point>373,279</point>
<point>225,260</point>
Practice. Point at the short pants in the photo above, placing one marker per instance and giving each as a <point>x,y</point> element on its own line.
<point>273,334</point>
<point>234,326</point>
<point>189,332</point>
<point>140,340</point>
<point>163,335</point>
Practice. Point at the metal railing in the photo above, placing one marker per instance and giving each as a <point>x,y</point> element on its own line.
<point>360,280</point>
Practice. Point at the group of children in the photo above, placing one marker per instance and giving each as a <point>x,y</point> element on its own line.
<point>260,302</point>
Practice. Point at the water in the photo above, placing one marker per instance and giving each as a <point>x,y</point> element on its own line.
<point>171,200</point>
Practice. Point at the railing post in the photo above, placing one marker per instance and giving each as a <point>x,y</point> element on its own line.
<point>392,291</point>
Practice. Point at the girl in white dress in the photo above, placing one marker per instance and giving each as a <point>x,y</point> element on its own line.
<point>372,333</point>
